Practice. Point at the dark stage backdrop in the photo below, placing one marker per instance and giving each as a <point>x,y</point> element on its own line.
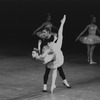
<point>19,19</point>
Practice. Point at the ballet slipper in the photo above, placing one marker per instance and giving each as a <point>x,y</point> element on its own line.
<point>52,88</point>
<point>44,88</point>
<point>66,83</point>
<point>92,62</point>
<point>68,86</point>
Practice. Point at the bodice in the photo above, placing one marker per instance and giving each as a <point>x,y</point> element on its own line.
<point>92,29</point>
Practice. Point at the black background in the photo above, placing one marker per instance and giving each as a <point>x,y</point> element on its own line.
<point>19,19</point>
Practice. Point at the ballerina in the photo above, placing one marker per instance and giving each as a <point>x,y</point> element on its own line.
<point>53,57</point>
<point>44,28</point>
<point>91,39</point>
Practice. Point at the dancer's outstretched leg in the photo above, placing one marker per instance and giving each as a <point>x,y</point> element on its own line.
<point>59,45</point>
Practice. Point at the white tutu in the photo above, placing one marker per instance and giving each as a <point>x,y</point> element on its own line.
<point>90,39</point>
<point>48,58</point>
<point>57,62</point>
<point>58,59</point>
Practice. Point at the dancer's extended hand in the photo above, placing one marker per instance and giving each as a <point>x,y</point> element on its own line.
<point>76,39</point>
<point>78,36</point>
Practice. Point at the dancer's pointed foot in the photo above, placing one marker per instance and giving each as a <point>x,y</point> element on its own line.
<point>66,83</point>
<point>92,62</point>
<point>52,88</point>
<point>68,86</point>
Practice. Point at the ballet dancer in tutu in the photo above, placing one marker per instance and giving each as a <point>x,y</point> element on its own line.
<point>91,39</point>
<point>53,57</point>
<point>44,28</point>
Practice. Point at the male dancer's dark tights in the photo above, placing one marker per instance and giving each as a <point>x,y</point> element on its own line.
<point>47,71</point>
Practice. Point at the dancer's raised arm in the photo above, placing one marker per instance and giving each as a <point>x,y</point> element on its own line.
<point>38,28</point>
<point>60,32</point>
<point>82,32</point>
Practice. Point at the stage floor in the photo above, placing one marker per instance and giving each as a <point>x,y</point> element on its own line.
<point>21,78</point>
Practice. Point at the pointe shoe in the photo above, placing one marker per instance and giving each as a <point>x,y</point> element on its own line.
<point>68,86</point>
<point>52,88</point>
<point>92,62</point>
<point>66,83</point>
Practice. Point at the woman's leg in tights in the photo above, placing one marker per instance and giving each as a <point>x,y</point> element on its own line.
<point>45,78</point>
<point>61,73</point>
<point>91,54</point>
<point>88,52</point>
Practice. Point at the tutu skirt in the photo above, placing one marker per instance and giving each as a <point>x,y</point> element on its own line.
<point>57,61</point>
<point>48,58</point>
<point>90,39</point>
